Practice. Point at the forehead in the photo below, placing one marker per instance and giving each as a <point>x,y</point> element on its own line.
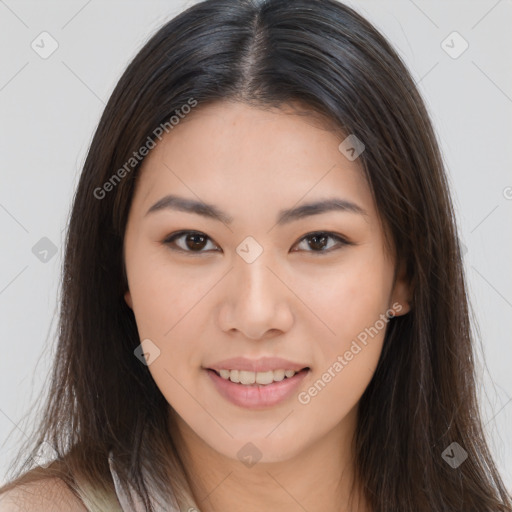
<point>251,157</point>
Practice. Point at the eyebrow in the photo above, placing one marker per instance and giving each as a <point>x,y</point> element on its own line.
<point>173,202</point>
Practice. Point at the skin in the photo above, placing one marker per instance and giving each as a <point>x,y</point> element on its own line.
<point>293,301</point>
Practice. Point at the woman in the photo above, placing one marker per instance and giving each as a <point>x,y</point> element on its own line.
<point>263,303</point>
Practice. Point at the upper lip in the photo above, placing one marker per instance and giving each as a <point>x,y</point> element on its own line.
<point>263,364</point>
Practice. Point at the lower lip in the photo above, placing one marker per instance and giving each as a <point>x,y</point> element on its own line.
<point>257,396</point>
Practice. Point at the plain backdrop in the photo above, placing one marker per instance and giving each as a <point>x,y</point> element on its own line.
<point>49,109</point>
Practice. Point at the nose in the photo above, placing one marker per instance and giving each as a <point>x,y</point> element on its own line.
<point>256,302</point>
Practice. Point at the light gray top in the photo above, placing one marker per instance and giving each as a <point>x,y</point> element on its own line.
<point>139,505</point>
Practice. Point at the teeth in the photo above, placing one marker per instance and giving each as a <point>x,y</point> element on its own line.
<point>248,378</point>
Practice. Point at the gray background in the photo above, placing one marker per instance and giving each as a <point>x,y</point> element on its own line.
<point>49,109</point>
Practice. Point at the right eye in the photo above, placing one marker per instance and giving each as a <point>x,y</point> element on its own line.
<point>190,241</point>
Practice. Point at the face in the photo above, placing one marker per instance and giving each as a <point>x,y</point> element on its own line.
<point>249,280</point>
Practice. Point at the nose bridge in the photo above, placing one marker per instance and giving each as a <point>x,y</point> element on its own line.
<point>255,280</point>
<point>258,297</point>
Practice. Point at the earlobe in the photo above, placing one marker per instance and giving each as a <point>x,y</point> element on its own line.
<point>128,299</point>
<point>400,307</point>
<point>400,297</point>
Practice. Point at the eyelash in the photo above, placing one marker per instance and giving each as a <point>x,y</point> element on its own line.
<point>171,238</point>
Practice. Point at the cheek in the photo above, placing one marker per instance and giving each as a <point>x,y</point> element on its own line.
<point>348,298</point>
<point>168,304</point>
<point>352,307</point>
<point>163,294</point>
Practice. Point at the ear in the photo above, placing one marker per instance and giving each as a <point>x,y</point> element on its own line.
<point>128,299</point>
<point>400,302</point>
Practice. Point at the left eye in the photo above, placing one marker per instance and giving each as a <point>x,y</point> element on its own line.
<point>319,240</point>
<point>195,241</point>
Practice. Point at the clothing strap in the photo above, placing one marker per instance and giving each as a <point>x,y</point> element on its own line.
<point>138,503</point>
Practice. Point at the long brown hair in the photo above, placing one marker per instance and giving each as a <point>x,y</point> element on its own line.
<point>422,396</point>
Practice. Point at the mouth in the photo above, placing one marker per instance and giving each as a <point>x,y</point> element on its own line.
<point>249,378</point>
<point>257,390</point>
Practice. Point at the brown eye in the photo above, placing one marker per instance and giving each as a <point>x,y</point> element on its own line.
<point>195,242</point>
<point>190,241</point>
<point>319,242</point>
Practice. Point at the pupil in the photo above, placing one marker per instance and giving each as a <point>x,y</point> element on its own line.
<point>314,244</point>
<point>195,243</point>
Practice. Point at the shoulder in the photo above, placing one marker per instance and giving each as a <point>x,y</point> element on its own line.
<point>45,495</point>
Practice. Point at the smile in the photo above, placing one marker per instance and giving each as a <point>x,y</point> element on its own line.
<point>251,394</point>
